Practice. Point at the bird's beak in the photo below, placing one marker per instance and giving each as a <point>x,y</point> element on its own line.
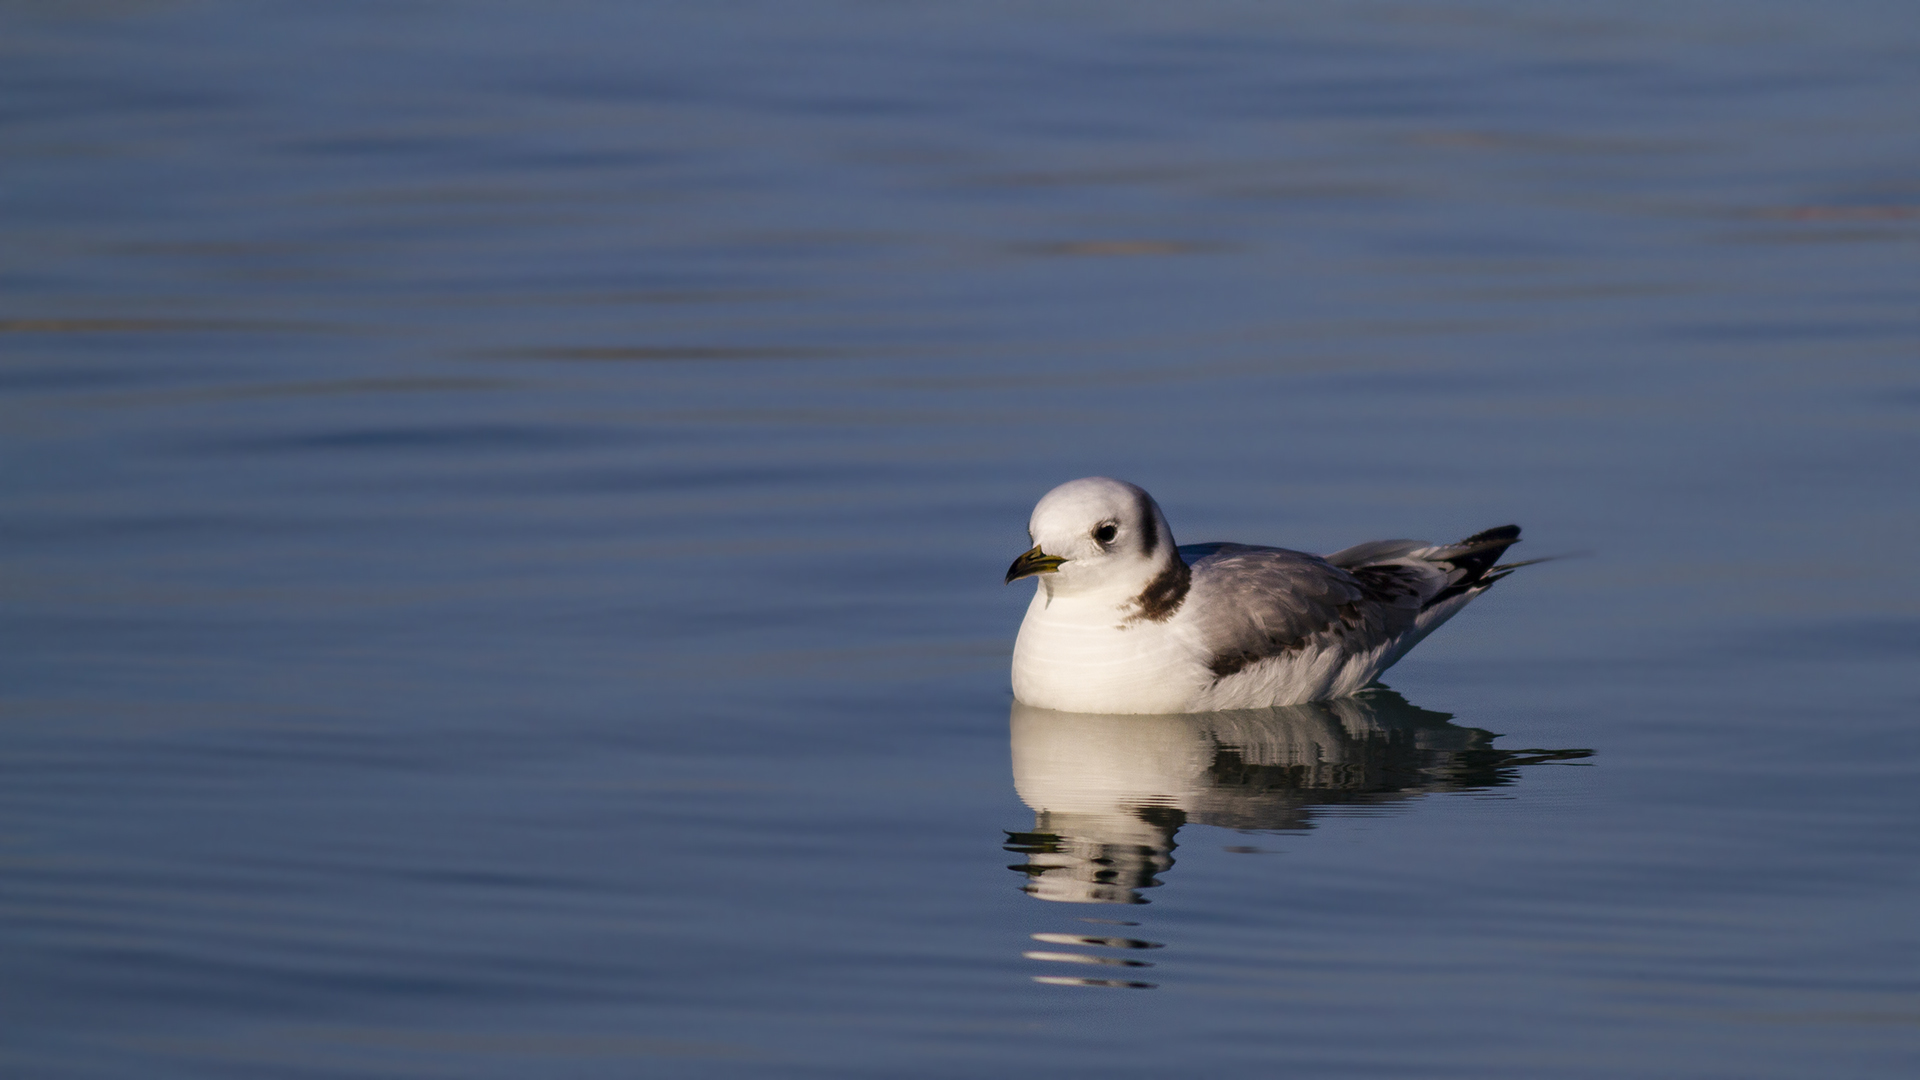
<point>1031,563</point>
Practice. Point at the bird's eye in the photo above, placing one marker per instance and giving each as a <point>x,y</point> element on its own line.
<point>1106,533</point>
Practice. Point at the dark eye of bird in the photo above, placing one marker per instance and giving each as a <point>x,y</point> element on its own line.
<point>1106,533</point>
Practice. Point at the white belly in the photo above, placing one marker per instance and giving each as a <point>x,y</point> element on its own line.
<point>1075,655</point>
<point>1312,674</point>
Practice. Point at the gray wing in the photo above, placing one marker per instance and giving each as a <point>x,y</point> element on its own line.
<point>1253,603</point>
<point>1374,551</point>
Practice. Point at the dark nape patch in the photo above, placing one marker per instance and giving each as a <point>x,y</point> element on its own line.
<point>1150,527</point>
<point>1164,594</point>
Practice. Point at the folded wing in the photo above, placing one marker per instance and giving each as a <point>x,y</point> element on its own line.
<point>1265,602</point>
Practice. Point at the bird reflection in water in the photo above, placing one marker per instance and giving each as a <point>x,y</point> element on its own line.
<point>1109,792</point>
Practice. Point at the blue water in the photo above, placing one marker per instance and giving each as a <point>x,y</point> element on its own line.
<point>505,506</point>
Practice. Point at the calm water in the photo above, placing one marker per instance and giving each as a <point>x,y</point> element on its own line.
<point>505,506</point>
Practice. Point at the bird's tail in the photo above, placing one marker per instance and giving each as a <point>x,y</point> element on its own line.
<point>1475,561</point>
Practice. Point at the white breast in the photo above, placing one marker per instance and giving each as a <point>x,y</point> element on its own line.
<point>1074,654</point>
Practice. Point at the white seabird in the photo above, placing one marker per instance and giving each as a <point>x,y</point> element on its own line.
<point>1123,621</point>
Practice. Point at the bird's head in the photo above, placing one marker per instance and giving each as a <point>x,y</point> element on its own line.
<point>1094,534</point>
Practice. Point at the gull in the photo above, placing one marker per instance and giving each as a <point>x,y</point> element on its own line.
<point>1123,621</point>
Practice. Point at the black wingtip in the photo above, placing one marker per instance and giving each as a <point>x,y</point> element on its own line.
<point>1509,533</point>
<point>1475,557</point>
<point>1478,553</point>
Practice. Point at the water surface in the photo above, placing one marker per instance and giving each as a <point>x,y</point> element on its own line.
<point>505,508</point>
